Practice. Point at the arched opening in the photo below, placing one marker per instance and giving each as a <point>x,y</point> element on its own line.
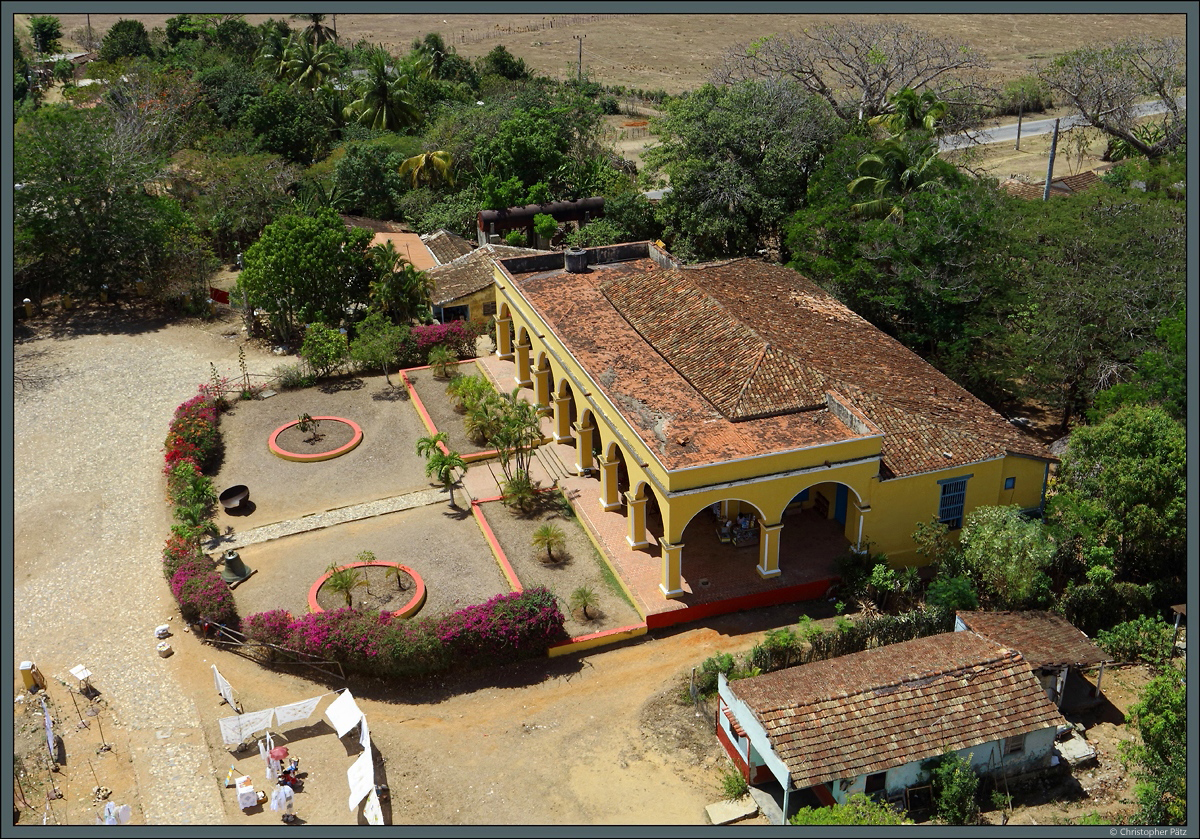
<point>820,523</point>
<point>564,413</point>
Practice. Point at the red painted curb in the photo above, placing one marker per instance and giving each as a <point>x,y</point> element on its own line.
<point>407,610</point>
<point>513,582</point>
<point>313,458</point>
<point>791,594</point>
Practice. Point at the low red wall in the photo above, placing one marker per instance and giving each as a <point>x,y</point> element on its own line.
<point>791,594</point>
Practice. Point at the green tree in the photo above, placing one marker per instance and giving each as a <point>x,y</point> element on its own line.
<point>1121,492</point>
<point>1159,376</point>
<point>45,30</point>
<point>307,269</point>
<point>309,65</point>
<point>316,32</point>
<point>429,168</point>
<point>1009,556</point>
<point>955,786</point>
<point>912,111</point>
<point>739,159</point>
<point>180,28</point>
<point>1158,757</point>
<point>325,349</point>
<point>400,290</point>
<point>501,62</point>
<point>288,124</point>
<point>427,446</point>
<point>384,102</point>
<point>377,343</point>
<point>545,226</point>
<point>443,467</point>
<point>344,582</point>
<point>858,810</point>
<point>549,537</point>
<point>126,39</point>
<point>897,167</point>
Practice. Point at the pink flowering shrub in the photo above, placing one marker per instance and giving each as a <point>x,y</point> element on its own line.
<point>271,627</point>
<point>201,592</point>
<point>458,335</point>
<point>178,552</point>
<point>509,626</point>
<point>193,432</point>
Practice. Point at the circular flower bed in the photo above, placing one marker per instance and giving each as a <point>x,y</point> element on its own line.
<point>381,586</point>
<point>333,442</point>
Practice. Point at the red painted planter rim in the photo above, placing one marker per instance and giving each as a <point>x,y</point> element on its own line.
<point>302,458</point>
<point>407,610</point>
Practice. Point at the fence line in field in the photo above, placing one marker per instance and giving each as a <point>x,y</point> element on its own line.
<point>471,36</point>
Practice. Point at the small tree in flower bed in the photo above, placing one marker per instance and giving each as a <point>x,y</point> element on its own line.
<point>457,335</point>
<point>202,593</point>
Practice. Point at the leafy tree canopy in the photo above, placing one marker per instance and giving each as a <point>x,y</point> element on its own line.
<point>126,39</point>
<point>45,30</point>
<point>1009,556</point>
<point>858,810</point>
<point>1159,755</point>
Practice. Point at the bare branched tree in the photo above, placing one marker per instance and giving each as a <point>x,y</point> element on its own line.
<point>1106,83</point>
<point>856,65</point>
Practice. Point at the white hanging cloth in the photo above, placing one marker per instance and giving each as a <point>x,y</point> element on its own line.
<point>223,687</point>
<point>236,729</point>
<point>364,736</point>
<point>343,714</point>
<point>282,798</point>
<point>361,777</point>
<point>296,711</point>
<point>373,812</point>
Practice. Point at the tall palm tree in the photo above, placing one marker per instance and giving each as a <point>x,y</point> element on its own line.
<point>442,466</point>
<point>897,167</point>
<point>272,55</point>
<point>317,33</point>
<point>428,168</point>
<point>309,66</point>
<point>384,102</point>
<point>401,291</point>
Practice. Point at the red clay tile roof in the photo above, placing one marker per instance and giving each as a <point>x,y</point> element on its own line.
<point>882,708</point>
<point>470,272</point>
<point>1042,639</point>
<point>698,352</point>
<point>446,246</point>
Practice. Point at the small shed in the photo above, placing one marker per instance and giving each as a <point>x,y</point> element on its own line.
<point>1050,643</point>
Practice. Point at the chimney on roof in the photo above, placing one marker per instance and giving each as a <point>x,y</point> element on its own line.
<point>575,260</point>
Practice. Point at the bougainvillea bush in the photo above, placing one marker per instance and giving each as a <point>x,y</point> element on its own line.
<point>506,628</point>
<point>458,335</point>
<point>178,552</point>
<point>201,592</point>
<point>193,432</point>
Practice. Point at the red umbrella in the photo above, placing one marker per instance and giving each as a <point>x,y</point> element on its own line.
<point>278,753</point>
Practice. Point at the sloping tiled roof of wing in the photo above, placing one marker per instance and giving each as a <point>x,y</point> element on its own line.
<point>469,272</point>
<point>1042,638</point>
<point>874,710</point>
<point>446,246</point>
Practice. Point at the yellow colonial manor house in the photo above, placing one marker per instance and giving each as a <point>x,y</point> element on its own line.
<point>737,402</point>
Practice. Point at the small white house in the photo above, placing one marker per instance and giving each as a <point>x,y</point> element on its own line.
<point>866,722</point>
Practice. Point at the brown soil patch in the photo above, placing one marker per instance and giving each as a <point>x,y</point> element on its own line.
<point>379,591</point>
<point>329,435</point>
<point>440,407</point>
<point>577,564</point>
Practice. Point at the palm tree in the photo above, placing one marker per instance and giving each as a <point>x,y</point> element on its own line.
<point>550,537</point>
<point>584,598</point>
<point>897,167</point>
<point>443,466</point>
<point>273,54</point>
<point>426,446</point>
<point>384,102</point>
<point>308,66</point>
<point>429,167</point>
<point>344,582</point>
<point>911,112</point>
<point>401,291</point>
<point>317,33</point>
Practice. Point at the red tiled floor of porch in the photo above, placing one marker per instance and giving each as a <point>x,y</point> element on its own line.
<point>808,548</point>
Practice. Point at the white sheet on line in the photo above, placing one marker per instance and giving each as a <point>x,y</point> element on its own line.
<point>296,711</point>
<point>364,736</point>
<point>361,777</point>
<point>373,812</point>
<point>236,729</point>
<point>223,687</point>
<point>343,713</point>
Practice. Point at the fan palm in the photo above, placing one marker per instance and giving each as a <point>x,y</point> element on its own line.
<point>896,168</point>
<point>550,537</point>
<point>384,102</point>
<point>442,466</point>
<point>583,598</point>
<point>309,66</point>
<point>428,168</point>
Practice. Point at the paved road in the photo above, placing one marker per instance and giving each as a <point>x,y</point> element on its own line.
<point>90,415</point>
<point>1029,128</point>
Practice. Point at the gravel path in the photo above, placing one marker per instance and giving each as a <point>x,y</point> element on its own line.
<point>90,519</point>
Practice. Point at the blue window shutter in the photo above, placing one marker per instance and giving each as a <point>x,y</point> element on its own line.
<point>954,494</point>
<point>839,504</point>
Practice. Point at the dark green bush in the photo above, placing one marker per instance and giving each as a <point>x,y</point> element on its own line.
<point>1147,639</point>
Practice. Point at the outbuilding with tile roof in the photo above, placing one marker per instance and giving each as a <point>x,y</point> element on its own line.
<point>870,721</point>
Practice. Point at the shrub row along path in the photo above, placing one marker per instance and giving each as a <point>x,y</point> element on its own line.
<point>596,738</point>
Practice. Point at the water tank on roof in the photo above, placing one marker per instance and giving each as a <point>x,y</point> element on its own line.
<point>575,260</point>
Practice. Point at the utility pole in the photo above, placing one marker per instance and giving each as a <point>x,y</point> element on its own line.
<point>580,38</point>
<point>1050,165</point>
<point>89,27</point>
<point>1020,115</point>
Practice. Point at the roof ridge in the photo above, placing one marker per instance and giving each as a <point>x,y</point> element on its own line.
<point>749,380</point>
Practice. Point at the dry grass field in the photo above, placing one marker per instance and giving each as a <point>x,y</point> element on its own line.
<point>676,52</point>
